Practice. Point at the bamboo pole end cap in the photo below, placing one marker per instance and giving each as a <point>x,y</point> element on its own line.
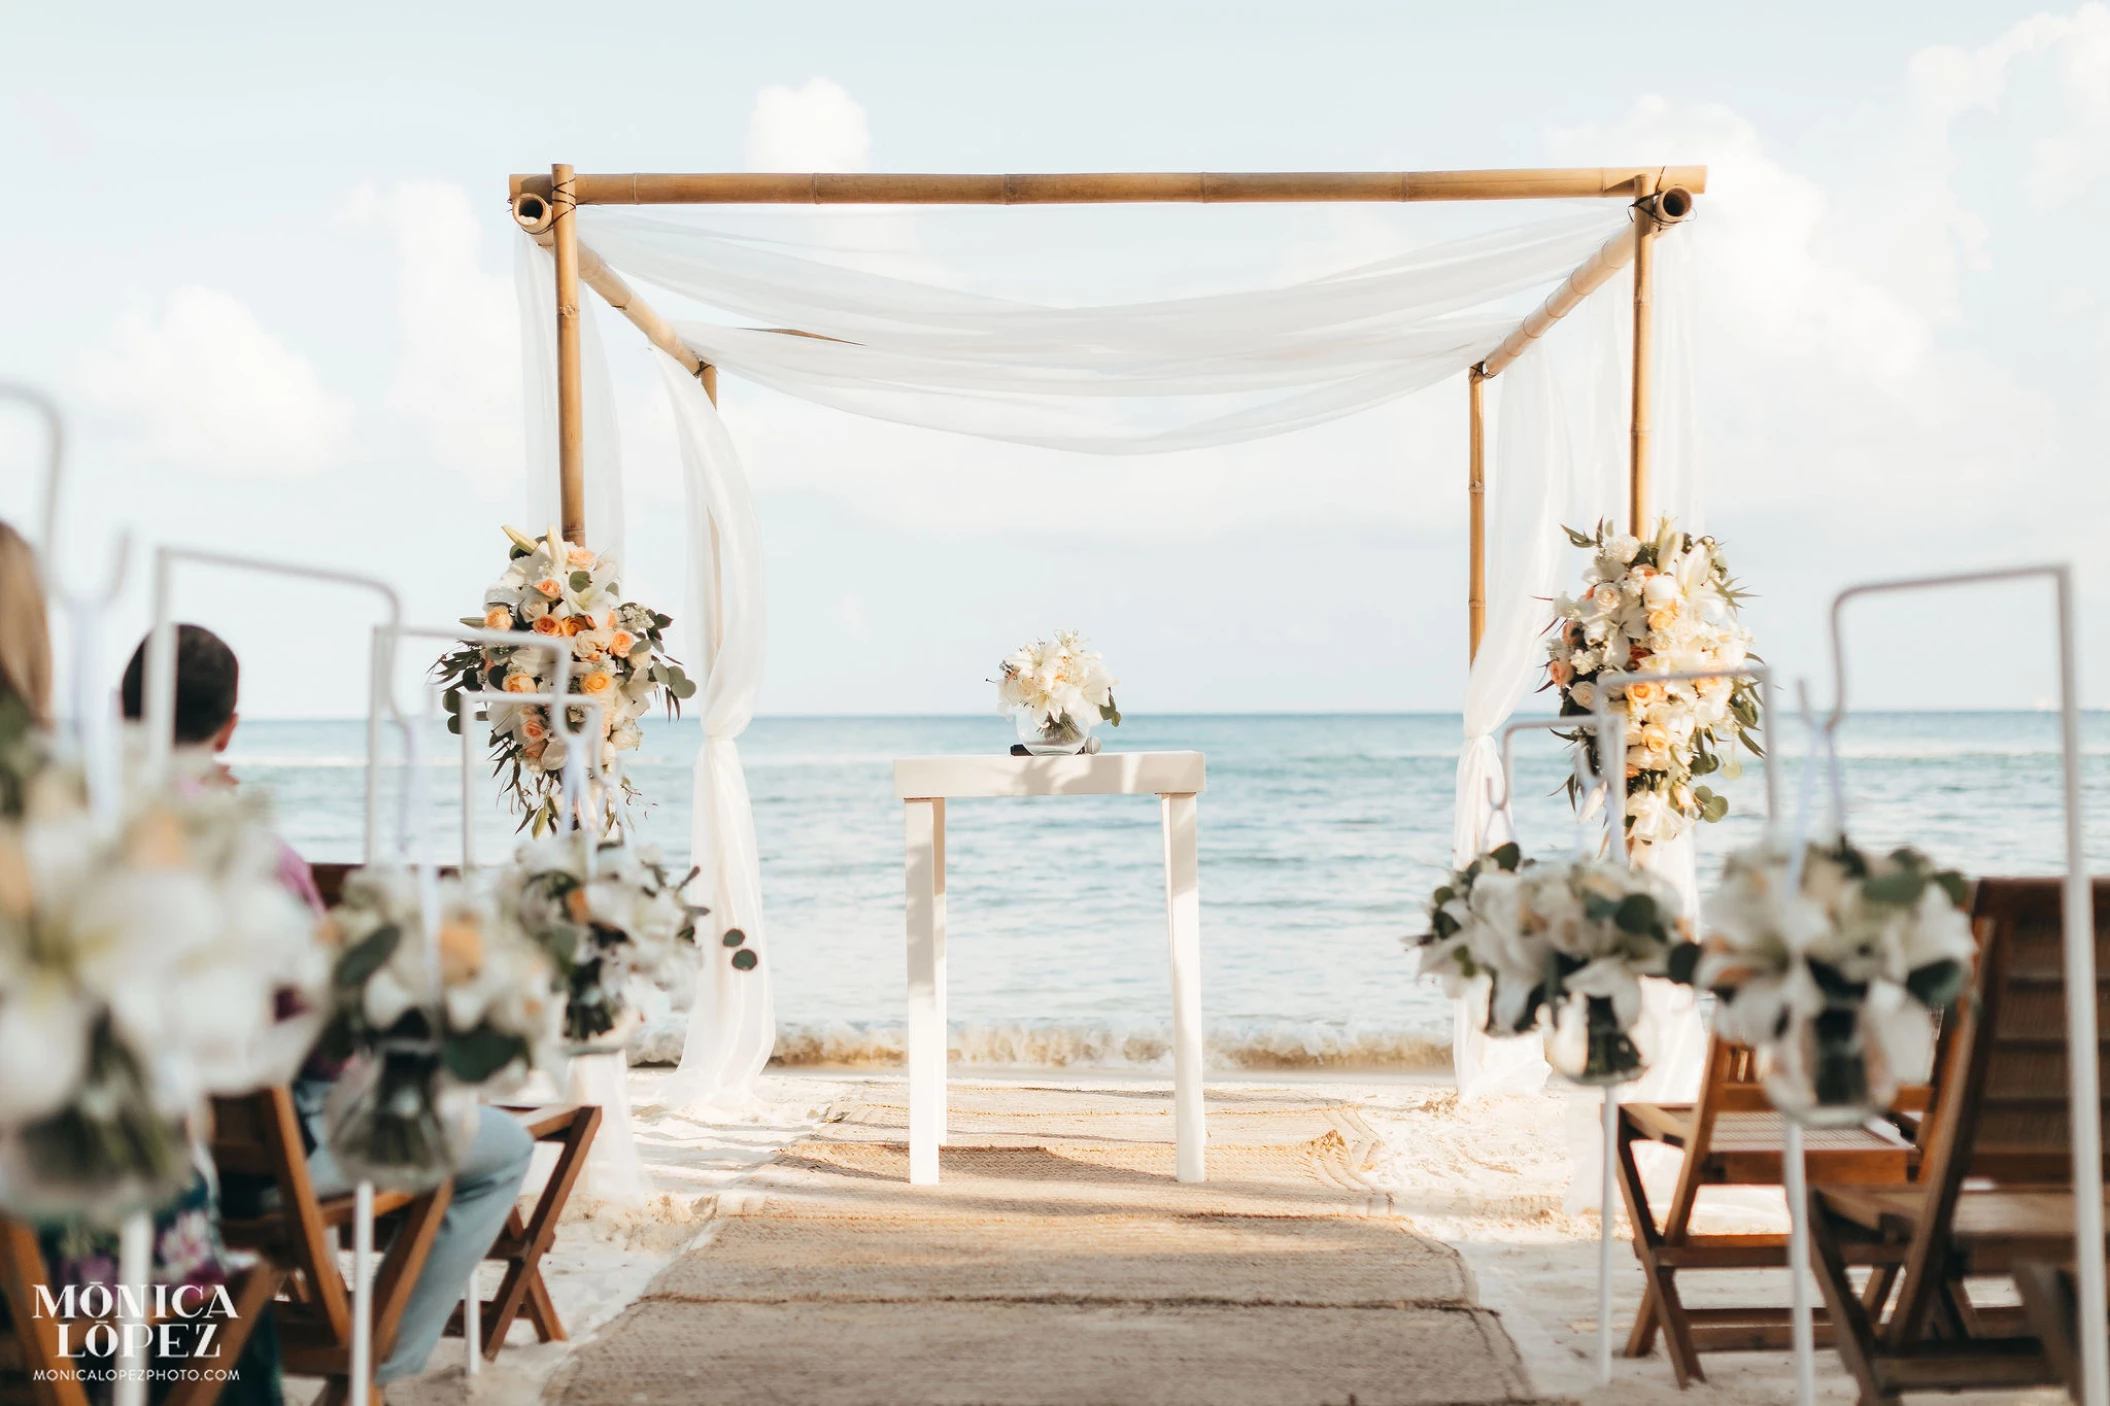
<point>533,213</point>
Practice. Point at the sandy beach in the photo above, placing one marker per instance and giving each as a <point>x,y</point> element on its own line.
<point>1488,1179</point>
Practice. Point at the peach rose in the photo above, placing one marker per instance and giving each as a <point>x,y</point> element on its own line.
<point>1643,694</point>
<point>1561,671</point>
<point>461,950</point>
<point>1663,617</point>
<point>534,750</point>
<point>576,905</point>
<point>520,683</point>
<point>579,558</point>
<point>622,644</point>
<point>533,731</point>
<point>548,586</point>
<point>549,625</point>
<point>498,617</point>
<point>598,681</point>
<point>577,624</point>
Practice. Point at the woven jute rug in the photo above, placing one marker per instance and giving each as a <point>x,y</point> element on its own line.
<point>1059,1263</point>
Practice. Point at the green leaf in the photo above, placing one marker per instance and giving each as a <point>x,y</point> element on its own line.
<point>1936,985</point>
<point>1956,886</point>
<point>1579,539</point>
<point>1637,914</point>
<point>482,1052</point>
<point>580,580</point>
<point>733,937</point>
<point>682,688</point>
<point>745,960</point>
<point>660,622</point>
<point>1508,856</point>
<point>1110,712</point>
<point>1684,961</point>
<point>367,956</point>
<point>1714,808</point>
<point>1901,887</point>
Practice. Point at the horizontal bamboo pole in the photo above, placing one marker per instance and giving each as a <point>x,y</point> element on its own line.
<point>876,188</point>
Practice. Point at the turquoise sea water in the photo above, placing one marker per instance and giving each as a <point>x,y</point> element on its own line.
<point>1320,837</point>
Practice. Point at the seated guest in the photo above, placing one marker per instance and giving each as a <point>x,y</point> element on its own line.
<point>486,1185</point>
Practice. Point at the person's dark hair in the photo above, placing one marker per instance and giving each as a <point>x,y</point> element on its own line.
<point>208,681</point>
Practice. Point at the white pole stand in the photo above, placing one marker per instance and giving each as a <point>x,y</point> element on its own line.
<point>1796,1184</point>
<point>1605,1216</point>
<point>472,1325</point>
<point>362,1364</point>
<point>135,1274</point>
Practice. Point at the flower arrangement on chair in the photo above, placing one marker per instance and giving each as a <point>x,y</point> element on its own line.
<point>553,588</point>
<point>1565,944</point>
<point>1659,604</point>
<point>603,914</point>
<point>1830,973</point>
<point>425,1022</point>
<point>146,961</point>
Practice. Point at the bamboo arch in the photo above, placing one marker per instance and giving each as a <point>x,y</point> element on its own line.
<point>1661,196</point>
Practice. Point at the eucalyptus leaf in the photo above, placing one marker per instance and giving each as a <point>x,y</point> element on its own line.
<point>367,956</point>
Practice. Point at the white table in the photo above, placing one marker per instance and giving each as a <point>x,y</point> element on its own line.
<point>925,784</point>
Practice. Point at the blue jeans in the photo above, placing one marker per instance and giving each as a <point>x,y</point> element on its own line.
<point>485,1188</point>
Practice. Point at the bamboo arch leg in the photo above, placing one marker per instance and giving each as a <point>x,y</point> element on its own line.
<point>571,442</point>
<point>1476,499</point>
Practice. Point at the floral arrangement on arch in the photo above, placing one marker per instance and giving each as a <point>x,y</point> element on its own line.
<point>1662,604</point>
<point>604,914</point>
<point>1831,974</point>
<point>1564,943</point>
<point>425,1023</point>
<point>148,960</point>
<point>560,591</point>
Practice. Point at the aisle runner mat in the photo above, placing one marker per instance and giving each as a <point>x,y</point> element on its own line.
<point>1059,1262</point>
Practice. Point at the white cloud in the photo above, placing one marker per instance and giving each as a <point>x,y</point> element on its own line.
<point>209,386</point>
<point>815,128</point>
<point>458,361</point>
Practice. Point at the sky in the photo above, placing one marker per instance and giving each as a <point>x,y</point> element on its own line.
<point>261,255</point>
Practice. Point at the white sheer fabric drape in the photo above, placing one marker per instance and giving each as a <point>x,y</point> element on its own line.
<point>732,1025</point>
<point>1137,378</point>
<point>1559,454</point>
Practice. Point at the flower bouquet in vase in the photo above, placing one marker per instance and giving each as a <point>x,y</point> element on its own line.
<point>425,1023</point>
<point>1056,691</point>
<point>556,590</point>
<point>1564,944</point>
<point>1832,974</point>
<point>606,915</point>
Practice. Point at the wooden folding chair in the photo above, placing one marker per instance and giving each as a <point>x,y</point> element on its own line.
<point>257,1146</point>
<point>1732,1137</point>
<point>1995,1192</point>
<point>522,1244</point>
<point>31,1367</point>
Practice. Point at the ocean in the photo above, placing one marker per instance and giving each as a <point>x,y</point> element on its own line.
<point>1320,838</point>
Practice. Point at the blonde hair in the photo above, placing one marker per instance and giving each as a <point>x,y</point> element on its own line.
<point>25,638</point>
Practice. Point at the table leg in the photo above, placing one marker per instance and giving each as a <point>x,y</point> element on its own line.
<point>925,828</point>
<point>1183,920</point>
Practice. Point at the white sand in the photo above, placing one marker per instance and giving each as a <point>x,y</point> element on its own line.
<point>1488,1178</point>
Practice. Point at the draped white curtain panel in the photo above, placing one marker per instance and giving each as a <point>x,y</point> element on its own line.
<point>1131,379</point>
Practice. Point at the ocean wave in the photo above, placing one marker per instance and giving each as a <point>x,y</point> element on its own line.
<point>1279,1044</point>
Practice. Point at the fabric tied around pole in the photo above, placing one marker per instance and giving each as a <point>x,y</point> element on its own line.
<point>732,1023</point>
